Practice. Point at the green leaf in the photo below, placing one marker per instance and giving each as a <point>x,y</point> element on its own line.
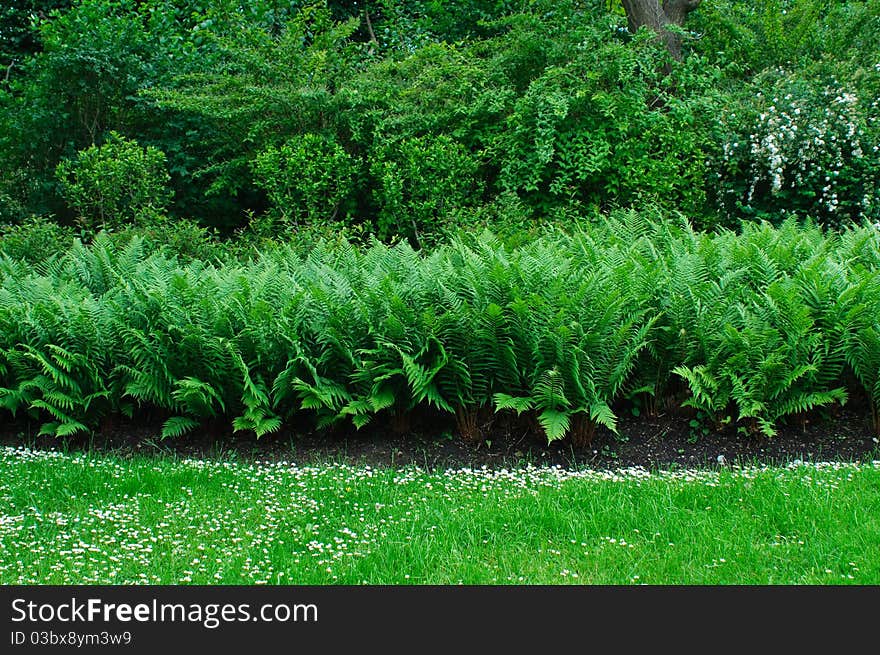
<point>382,398</point>
<point>48,429</point>
<point>267,425</point>
<point>555,423</point>
<point>177,426</point>
<point>66,429</point>
<point>361,421</point>
<point>601,414</point>
<point>519,404</point>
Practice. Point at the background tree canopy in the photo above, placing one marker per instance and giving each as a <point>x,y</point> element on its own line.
<point>411,118</point>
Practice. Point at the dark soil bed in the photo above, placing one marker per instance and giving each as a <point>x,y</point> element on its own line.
<point>665,441</point>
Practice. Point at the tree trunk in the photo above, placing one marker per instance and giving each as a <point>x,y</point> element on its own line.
<point>656,15</point>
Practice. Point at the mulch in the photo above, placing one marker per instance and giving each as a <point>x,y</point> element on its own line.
<point>665,441</point>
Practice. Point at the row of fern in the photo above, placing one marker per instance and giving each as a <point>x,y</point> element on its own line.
<point>750,328</point>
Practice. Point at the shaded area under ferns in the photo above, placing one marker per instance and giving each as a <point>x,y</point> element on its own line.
<point>746,328</point>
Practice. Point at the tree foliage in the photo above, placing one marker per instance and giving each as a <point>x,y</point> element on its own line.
<point>566,106</point>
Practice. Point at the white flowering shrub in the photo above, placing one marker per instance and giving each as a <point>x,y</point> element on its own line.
<point>803,148</point>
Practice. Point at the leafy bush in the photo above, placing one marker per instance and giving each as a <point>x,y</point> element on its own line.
<point>607,127</point>
<point>805,148</point>
<point>35,239</point>
<point>749,37</point>
<point>180,238</point>
<point>83,79</point>
<point>259,83</point>
<point>554,102</point>
<point>420,182</point>
<point>115,184</point>
<point>308,179</point>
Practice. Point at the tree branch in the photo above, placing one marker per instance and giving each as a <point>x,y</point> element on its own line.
<point>369,23</point>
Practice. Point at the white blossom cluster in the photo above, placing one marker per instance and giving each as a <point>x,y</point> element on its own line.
<point>808,145</point>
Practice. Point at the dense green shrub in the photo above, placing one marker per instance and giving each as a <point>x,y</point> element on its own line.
<point>419,183</point>
<point>608,127</point>
<point>83,81</point>
<point>186,240</point>
<point>749,37</point>
<point>115,184</point>
<point>35,239</point>
<point>12,206</point>
<point>555,103</point>
<point>257,90</point>
<point>17,38</point>
<point>307,179</point>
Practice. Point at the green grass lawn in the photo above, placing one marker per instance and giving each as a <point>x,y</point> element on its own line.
<point>99,519</point>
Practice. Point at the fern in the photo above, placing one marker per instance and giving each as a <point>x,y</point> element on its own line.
<point>763,325</point>
<point>518,404</point>
<point>555,423</point>
<point>177,426</point>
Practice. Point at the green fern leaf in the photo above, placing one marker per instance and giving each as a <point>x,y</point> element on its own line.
<point>519,404</point>
<point>601,414</point>
<point>67,429</point>
<point>177,426</point>
<point>555,423</point>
